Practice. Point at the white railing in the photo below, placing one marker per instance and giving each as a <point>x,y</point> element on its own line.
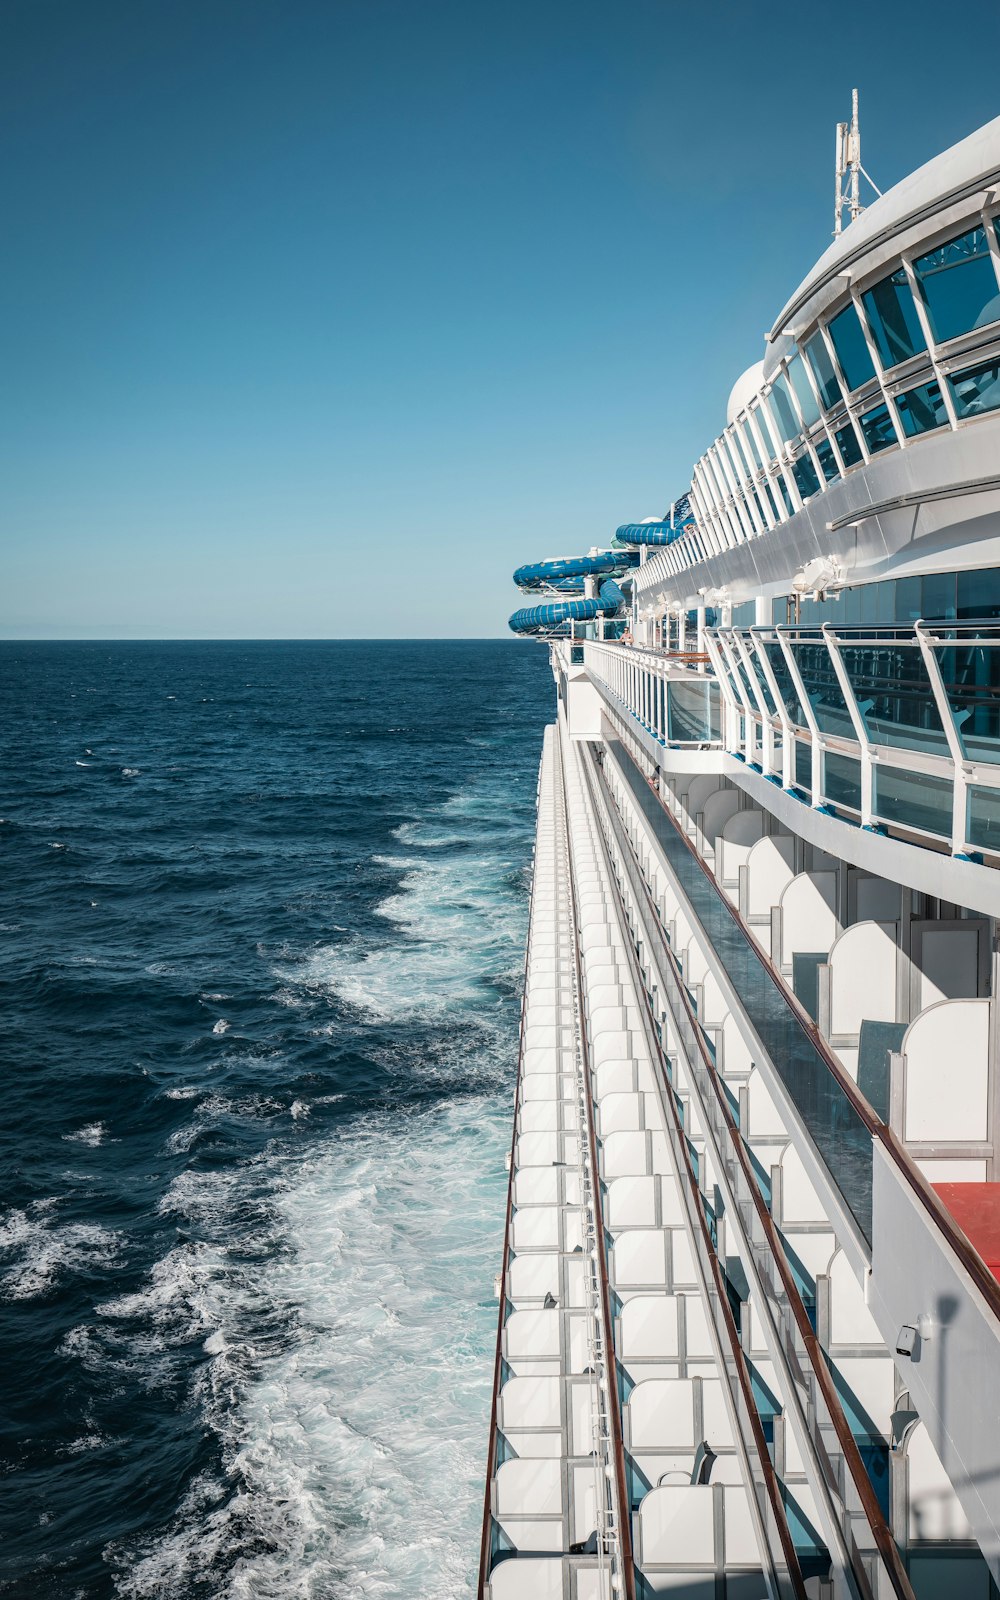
<point>670,693</point>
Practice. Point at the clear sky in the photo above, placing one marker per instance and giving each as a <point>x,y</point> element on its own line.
<point>319,316</point>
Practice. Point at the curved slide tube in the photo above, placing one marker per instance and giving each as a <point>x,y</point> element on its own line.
<point>549,618</point>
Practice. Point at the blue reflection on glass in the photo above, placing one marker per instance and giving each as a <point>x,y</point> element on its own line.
<point>805,477</point>
<point>782,409</point>
<point>893,320</point>
<point>818,357</point>
<point>803,391</point>
<point>977,389</point>
<point>921,409</point>
<point>847,444</point>
<point>876,425</point>
<point>959,285</point>
<point>827,460</point>
<point>852,351</point>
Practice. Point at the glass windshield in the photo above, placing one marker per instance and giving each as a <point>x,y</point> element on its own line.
<point>959,285</point>
<point>893,320</point>
<point>852,351</point>
<point>818,357</point>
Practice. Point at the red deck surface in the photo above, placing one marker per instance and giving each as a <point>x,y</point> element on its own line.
<point>976,1209</point>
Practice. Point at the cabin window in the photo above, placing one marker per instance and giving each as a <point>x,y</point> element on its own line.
<point>847,444</point>
<point>892,318</point>
<point>803,391</point>
<point>921,409</point>
<point>783,410</point>
<point>959,285</point>
<point>876,425</point>
<point>977,389</point>
<point>818,357</point>
<point>852,351</point>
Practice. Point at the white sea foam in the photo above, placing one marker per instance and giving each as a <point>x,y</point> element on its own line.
<point>92,1133</point>
<point>222,1026</point>
<point>36,1250</point>
<point>131,772</point>
<point>341,1289</point>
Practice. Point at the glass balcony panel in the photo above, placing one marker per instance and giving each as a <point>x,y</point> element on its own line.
<point>971,674</point>
<point>799,378</point>
<point>892,318</point>
<point>984,818</point>
<point>782,409</point>
<point>921,409</point>
<point>914,800</point>
<point>827,459</point>
<point>803,764</point>
<point>825,695</point>
<point>852,351</point>
<point>847,444</point>
<point>693,712</point>
<point>763,687</point>
<point>959,285</point>
<point>842,780</point>
<point>805,477</point>
<point>818,357</point>
<point>894,695</point>
<point>977,389</point>
<point>838,1131</point>
<point>783,678</point>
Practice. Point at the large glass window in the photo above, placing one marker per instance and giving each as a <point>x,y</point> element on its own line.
<point>893,320</point>
<point>751,442</point>
<point>827,459</point>
<point>852,351</point>
<point>921,409</point>
<point>847,444</point>
<point>977,389</point>
<point>959,285</point>
<point>818,357</point>
<point>782,409</point>
<point>876,425</point>
<point>805,477</point>
<point>803,391</point>
<point>823,688</point>
<point>760,419</point>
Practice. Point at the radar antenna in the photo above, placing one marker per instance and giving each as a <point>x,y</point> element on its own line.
<point>849,170</point>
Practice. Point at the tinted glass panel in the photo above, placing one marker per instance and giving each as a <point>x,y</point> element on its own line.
<point>842,780</point>
<point>782,409</point>
<point>984,818</point>
<point>959,285</point>
<point>878,430</point>
<point>847,444</point>
<point>827,460</point>
<point>921,409</point>
<point>852,351</point>
<point>765,432</point>
<point>786,497</point>
<point>971,674</point>
<point>977,389</point>
<point>750,442</point>
<point>690,718</point>
<point>824,691</point>
<point>771,503</point>
<point>738,453</point>
<point>805,477</point>
<point>783,678</point>
<point>818,357</point>
<point>803,391</point>
<point>892,318</point>
<point>913,799</point>
<point>894,695</point>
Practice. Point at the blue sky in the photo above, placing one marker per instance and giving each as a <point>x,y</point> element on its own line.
<point>318,318</point>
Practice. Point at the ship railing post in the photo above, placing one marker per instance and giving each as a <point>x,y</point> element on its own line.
<point>960,778</point>
<point>858,723</point>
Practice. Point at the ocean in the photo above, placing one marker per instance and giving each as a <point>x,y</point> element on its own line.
<point>262,911</point>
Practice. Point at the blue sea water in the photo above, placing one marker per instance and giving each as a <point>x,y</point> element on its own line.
<point>262,910</point>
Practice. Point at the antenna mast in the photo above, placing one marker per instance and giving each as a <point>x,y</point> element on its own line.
<point>849,170</point>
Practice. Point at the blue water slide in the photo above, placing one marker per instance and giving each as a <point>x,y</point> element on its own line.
<point>568,576</point>
<point>555,616</point>
<point>658,531</point>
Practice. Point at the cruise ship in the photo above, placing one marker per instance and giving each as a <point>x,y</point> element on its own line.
<point>749,1312</point>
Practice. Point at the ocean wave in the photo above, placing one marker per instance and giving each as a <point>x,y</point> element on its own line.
<point>92,1134</point>
<point>40,1251</point>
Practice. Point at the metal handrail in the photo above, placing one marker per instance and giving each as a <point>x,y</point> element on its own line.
<point>973,1263</point>
<point>484,1546</point>
<point>696,1209</point>
<point>882,1535</point>
<point>621,1488</point>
